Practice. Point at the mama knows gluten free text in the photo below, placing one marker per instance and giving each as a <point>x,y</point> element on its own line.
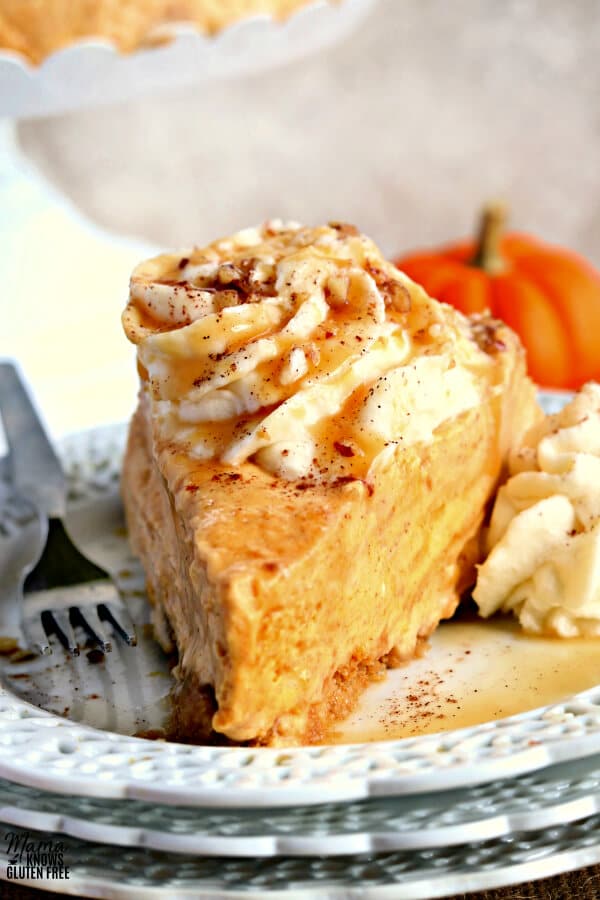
<point>30,859</point>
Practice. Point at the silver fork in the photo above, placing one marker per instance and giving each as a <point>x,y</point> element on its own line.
<point>23,531</point>
<point>63,580</point>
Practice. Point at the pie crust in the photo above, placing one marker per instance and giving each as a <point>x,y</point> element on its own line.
<point>37,29</point>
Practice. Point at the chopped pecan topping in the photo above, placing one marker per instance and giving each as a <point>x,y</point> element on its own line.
<point>260,274</point>
<point>251,278</point>
<point>229,274</point>
<point>485,335</point>
<point>344,228</point>
<point>395,294</point>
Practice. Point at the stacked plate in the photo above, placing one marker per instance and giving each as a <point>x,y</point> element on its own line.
<point>424,793</point>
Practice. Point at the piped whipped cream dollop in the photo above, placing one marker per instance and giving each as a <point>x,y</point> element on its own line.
<point>299,349</point>
<point>544,536</point>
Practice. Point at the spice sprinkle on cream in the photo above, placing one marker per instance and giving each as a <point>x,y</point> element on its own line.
<point>299,349</point>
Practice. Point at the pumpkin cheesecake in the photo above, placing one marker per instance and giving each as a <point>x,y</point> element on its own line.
<point>37,29</point>
<point>308,470</point>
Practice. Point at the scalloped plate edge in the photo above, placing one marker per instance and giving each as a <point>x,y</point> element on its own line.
<point>345,844</point>
<point>383,777</point>
<point>429,886</point>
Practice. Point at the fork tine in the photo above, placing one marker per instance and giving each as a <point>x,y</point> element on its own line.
<point>92,623</point>
<point>58,620</point>
<point>120,620</point>
<point>35,635</point>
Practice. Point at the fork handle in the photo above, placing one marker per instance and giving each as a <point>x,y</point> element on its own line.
<point>36,469</point>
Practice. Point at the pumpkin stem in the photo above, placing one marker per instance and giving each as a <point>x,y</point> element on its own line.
<point>487,254</point>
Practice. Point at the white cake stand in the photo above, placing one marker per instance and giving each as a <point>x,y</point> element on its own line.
<point>94,71</point>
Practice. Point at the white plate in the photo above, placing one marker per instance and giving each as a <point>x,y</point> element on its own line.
<point>128,693</point>
<point>552,796</point>
<point>94,71</point>
<point>99,870</point>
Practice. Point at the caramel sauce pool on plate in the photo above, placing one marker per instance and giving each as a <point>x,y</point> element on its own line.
<point>474,671</point>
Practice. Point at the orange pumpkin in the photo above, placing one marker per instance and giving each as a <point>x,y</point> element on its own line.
<point>548,295</point>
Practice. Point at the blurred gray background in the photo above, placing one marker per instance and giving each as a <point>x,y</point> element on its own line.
<point>432,107</point>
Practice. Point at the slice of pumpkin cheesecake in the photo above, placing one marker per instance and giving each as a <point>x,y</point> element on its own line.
<point>308,470</point>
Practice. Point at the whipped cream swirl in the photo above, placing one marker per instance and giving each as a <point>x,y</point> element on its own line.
<point>299,349</point>
<point>544,537</point>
